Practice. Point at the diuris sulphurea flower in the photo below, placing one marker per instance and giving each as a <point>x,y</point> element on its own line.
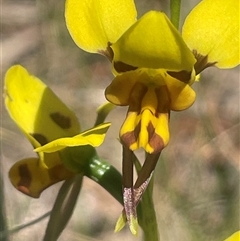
<point>154,67</point>
<point>52,128</point>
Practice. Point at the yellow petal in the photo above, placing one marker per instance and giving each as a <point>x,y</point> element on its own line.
<point>234,237</point>
<point>38,112</point>
<point>121,222</point>
<point>118,92</point>
<point>153,42</point>
<point>93,137</point>
<point>31,178</point>
<point>160,131</point>
<point>212,28</point>
<point>127,132</point>
<point>133,225</point>
<point>182,96</point>
<point>93,23</point>
<point>161,136</point>
<point>148,119</point>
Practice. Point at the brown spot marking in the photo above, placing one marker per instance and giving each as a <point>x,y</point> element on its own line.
<point>121,67</point>
<point>135,97</point>
<point>154,140</point>
<point>128,138</point>
<point>25,179</point>
<point>131,137</point>
<point>63,121</point>
<point>40,138</point>
<point>157,143</point>
<point>151,130</point>
<point>137,130</point>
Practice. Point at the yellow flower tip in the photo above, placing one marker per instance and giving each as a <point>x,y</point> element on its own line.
<point>134,146</point>
<point>121,222</point>
<point>234,237</point>
<point>149,149</point>
<point>216,35</point>
<point>132,222</point>
<point>133,225</point>
<point>93,24</point>
<point>147,139</point>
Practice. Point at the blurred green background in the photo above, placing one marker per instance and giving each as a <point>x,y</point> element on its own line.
<point>196,190</point>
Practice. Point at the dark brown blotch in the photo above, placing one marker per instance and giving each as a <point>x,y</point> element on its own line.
<point>40,138</point>
<point>25,178</point>
<point>150,130</point>
<point>128,138</point>
<point>183,76</point>
<point>121,67</point>
<point>61,120</point>
<point>157,143</point>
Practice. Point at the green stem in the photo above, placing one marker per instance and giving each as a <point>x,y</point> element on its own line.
<point>148,220</point>
<point>13,230</point>
<point>146,211</point>
<point>63,207</point>
<point>3,221</point>
<point>175,6</point>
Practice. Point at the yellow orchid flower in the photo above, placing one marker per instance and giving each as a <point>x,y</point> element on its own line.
<point>154,67</point>
<point>150,52</point>
<point>50,126</point>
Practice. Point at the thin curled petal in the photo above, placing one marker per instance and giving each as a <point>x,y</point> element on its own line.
<point>212,29</point>
<point>93,23</point>
<point>39,113</point>
<point>153,42</point>
<point>93,137</point>
<point>103,111</point>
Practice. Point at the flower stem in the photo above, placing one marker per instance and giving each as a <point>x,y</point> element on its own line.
<point>63,207</point>
<point>175,6</point>
<point>148,220</point>
<point>3,222</point>
<point>106,176</point>
<point>146,211</point>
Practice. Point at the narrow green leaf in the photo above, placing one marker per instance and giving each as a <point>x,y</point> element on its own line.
<point>3,223</point>
<point>17,228</point>
<point>106,176</point>
<point>63,207</point>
